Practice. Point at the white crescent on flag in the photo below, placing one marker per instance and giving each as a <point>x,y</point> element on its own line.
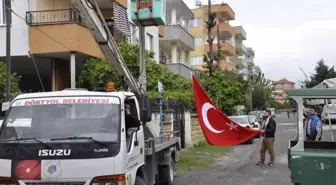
<point>205,108</point>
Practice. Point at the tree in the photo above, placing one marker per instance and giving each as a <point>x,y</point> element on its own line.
<point>98,71</point>
<point>322,72</point>
<point>15,79</point>
<point>227,90</point>
<point>260,82</point>
<point>210,24</point>
<point>259,99</point>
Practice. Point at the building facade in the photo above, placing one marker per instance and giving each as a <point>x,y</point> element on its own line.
<point>240,58</point>
<point>280,87</point>
<point>48,38</point>
<point>177,41</point>
<point>223,34</point>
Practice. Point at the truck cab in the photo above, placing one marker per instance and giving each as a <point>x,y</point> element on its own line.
<point>72,137</point>
<point>311,161</point>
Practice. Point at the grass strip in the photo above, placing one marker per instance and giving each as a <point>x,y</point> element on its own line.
<point>203,156</point>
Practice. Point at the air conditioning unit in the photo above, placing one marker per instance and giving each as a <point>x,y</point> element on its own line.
<point>198,3</point>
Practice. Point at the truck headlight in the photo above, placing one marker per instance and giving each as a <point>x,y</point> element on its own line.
<point>109,180</point>
<point>105,183</point>
<point>8,181</point>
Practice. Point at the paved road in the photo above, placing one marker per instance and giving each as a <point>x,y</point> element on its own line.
<point>239,167</point>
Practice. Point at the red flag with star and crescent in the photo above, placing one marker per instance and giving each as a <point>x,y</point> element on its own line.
<point>217,128</point>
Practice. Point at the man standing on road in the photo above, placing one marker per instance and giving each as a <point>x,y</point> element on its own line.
<point>268,132</point>
<point>313,127</point>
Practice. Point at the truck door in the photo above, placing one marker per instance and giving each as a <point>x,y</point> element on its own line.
<point>135,141</point>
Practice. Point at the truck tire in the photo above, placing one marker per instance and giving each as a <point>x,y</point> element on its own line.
<point>139,181</point>
<point>167,173</point>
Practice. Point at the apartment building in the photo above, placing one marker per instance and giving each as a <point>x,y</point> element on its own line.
<point>177,41</point>
<point>223,34</point>
<point>51,34</point>
<point>240,58</point>
<point>251,66</point>
<point>280,87</point>
<point>152,35</point>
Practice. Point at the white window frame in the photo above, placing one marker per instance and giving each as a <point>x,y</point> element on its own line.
<point>150,42</point>
<point>2,12</point>
<point>198,41</point>
<point>197,60</point>
<point>196,23</point>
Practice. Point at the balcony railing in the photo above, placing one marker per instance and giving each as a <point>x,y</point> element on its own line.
<point>45,17</point>
<point>179,31</point>
<point>181,68</point>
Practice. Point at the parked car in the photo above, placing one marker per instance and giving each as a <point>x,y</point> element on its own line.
<point>254,123</point>
<point>257,114</point>
<point>242,121</point>
<point>332,113</point>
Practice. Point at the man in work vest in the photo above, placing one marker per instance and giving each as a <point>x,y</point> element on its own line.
<point>268,132</point>
<point>313,127</point>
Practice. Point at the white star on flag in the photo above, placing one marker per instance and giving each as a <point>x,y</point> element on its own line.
<point>233,126</point>
<point>28,170</point>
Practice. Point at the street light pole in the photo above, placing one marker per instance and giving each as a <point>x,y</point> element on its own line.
<point>251,101</point>
<point>8,47</point>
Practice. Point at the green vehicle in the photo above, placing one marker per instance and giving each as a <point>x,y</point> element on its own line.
<point>311,162</point>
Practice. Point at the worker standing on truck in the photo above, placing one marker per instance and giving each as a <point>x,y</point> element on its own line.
<point>268,132</point>
<point>313,127</point>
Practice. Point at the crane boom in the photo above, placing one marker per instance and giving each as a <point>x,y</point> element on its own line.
<point>94,20</point>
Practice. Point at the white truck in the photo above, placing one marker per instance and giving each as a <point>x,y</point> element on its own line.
<point>79,137</point>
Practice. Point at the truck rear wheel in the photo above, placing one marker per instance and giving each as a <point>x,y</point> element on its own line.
<point>139,181</point>
<point>167,173</point>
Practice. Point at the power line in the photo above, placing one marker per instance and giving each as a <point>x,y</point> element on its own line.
<point>40,30</point>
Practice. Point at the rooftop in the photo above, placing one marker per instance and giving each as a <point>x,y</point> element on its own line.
<point>284,81</point>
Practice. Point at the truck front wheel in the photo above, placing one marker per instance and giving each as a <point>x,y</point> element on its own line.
<point>167,173</point>
<point>139,181</point>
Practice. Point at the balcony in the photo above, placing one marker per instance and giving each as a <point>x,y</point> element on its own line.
<point>55,32</point>
<point>177,33</point>
<point>181,68</point>
<point>240,33</point>
<point>239,61</point>
<point>224,12</point>
<point>226,48</point>
<point>224,29</point>
<point>227,65</point>
<point>241,49</point>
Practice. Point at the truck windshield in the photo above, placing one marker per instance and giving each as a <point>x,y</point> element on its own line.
<point>50,119</point>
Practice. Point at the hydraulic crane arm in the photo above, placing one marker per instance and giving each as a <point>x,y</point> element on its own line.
<point>94,20</point>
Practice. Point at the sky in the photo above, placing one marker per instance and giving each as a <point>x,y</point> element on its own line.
<point>286,34</point>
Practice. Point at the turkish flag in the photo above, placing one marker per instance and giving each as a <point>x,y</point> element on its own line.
<point>217,128</point>
<point>27,170</point>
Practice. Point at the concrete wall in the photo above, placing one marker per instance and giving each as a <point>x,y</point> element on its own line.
<point>197,135</point>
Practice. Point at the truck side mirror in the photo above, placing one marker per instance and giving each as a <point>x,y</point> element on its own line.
<point>145,109</point>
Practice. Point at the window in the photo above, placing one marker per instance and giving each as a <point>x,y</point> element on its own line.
<point>3,12</point>
<point>196,60</point>
<point>196,23</point>
<point>59,117</point>
<point>133,36</point>
<point>149,42</point>
<point>198,41</point>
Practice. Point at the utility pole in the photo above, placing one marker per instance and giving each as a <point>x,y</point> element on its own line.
<point>8,8</point>
<point>142,76</point>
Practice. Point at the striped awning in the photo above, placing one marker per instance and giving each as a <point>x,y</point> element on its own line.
<point>121,19</point>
